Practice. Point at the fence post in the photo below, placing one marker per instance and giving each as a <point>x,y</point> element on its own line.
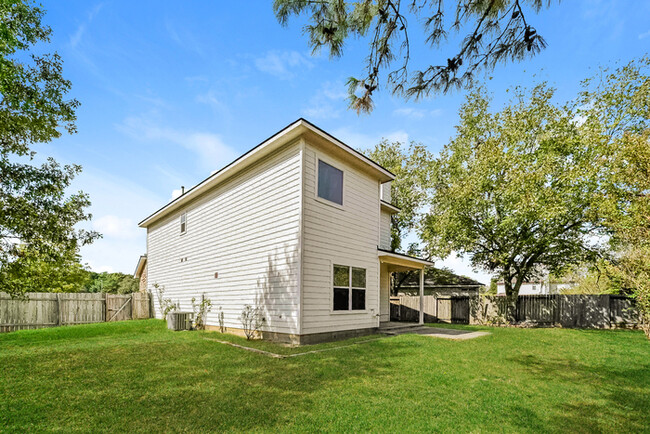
<point>59,316</point>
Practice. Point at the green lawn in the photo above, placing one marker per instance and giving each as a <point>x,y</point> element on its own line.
<point>137,376</point>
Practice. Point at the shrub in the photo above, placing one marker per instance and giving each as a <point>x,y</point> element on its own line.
<point>164,304</point>
<point>251,320</point>
<point>200,311</point>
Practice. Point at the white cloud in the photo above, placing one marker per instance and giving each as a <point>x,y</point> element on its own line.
<point>362,141</point>
<point>409,112</point>
<point>327,102</point>
<point>117,205</point>
<point>644,35</point>
<point>209,98</point>
<point>209,148</point>
<point>184,38</point>
<point>282,64</point>
<point>76,37</point>
<point>116,227</point>
<point>463,267</point>
<point>101,268</point>
<point>413,113</point>
<point>176,193</point>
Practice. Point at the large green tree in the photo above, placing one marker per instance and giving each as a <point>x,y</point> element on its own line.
<point>489,31</point>
<point>615,108</point>
<point>513,190</point>
<point>37,218</point>
<point>410,164</point>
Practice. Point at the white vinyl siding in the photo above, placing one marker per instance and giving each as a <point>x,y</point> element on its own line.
<point>346,235</point>
<point>385,192</point>
<point>384,289</point>
<point>384,230</point>
<point>246,230</point>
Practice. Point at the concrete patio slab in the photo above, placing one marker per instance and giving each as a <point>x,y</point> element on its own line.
<point>436,332</point>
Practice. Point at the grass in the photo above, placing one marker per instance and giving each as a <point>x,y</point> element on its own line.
<point>137,376</point>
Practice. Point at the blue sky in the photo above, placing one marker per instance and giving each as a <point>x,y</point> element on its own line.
<point>172,91</point>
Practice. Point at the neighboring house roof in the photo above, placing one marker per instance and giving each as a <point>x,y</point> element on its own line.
<point>142,262</point>
<point>299,128</point>
<point>441,278</point>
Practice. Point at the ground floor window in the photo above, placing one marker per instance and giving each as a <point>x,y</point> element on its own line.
<point>349,288</point>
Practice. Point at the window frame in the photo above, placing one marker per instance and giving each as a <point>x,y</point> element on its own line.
<point>183,223</point>
<point>349,288</point>
<point>335,165</point>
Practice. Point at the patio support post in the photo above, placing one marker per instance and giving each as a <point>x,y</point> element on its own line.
<point>422,296</point>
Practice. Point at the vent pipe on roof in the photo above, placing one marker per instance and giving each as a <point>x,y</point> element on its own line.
<point>182,190</point>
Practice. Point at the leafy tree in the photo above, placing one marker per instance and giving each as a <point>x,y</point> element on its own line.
<point>410,164</point>
<point>33,274</point>
<point>616,113</point>
<point>491,31</point>
<point>492,289</point>
<point>36,217</point>
<point>112,283</point>
<point>514,189</point>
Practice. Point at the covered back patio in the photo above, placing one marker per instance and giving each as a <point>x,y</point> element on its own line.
<point>391,262</point>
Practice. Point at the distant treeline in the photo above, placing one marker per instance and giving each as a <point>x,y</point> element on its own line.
<point>71,277</point>
<point>113,283</point>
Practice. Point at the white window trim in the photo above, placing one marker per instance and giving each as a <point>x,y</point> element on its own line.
<point>349,288</point>
<point>183,230</point>
<point>335,165</point>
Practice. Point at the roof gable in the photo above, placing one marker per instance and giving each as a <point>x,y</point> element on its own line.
<point>295,130</point>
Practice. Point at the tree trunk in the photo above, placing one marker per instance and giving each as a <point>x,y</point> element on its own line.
<point>512,293</point>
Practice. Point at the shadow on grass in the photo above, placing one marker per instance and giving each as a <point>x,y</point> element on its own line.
<point>92,378</point>
<point>621,403</point>
<point>182,383</point>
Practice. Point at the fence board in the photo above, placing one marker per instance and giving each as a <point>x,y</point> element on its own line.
<point>444,309</point>
<point>118,307</point>
<point>571,311</point>
<point>140,305</point>
<point>39,310</point>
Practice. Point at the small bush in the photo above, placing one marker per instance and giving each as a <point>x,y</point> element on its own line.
<point>200,311</point>
<point>251,320</point>
<point>165,305</point>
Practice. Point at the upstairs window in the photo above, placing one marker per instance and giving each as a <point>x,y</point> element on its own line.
<point>349,288</point>
<point>330,183</point>
<point>183,223</point>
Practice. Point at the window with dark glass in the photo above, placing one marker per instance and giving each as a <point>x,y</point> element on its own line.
<point>349,288</point>
<point>330,183</point>
<point>183,222</point>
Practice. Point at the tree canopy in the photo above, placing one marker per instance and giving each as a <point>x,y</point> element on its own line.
<point>410,164</point>
<point>113,283</point>
<point>513,189</point>
<point>617,117</point>
<point>37,217</point>
<point>539,187</point>
<point>490,32</point>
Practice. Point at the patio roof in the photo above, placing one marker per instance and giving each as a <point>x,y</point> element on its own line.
<point>401,262</point>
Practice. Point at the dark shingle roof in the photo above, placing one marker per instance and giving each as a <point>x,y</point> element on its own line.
<point>439,277</point>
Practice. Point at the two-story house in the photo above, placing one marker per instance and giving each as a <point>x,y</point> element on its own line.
<point>298,227</point>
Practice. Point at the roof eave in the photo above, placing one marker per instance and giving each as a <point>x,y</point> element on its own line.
<point>389,207</point>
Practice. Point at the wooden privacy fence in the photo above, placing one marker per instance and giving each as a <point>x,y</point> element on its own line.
<point>39,310</point>
<point>452,309</point>
<point>573,311</point>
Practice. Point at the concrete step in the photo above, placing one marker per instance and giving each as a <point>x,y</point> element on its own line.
<point>393,326</point>
<point>403,330</point>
